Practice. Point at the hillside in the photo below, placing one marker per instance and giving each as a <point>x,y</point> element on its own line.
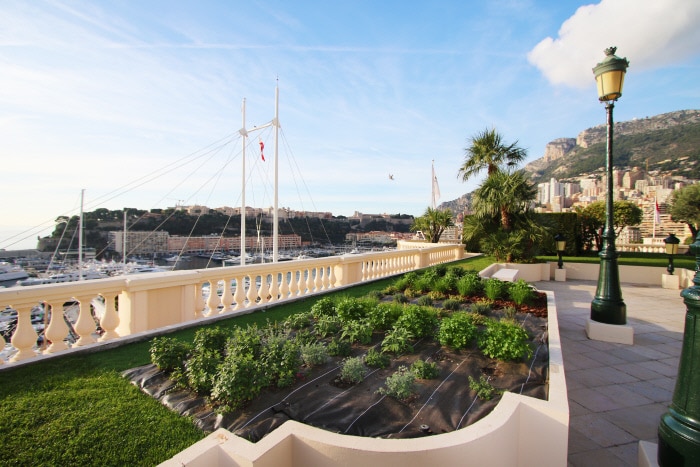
<point>668,143</point>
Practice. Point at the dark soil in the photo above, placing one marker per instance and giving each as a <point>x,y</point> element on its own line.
<point>319,398</point>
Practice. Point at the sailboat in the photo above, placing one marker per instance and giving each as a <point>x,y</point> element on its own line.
<point>275,215</point>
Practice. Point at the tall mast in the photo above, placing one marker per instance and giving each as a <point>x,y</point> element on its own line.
<point>243,133</point>
<point>124,241</point>
<point>80,235</point>
<point>275,215</point>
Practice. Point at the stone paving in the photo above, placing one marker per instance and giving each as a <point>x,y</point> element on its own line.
<point>617,393</point>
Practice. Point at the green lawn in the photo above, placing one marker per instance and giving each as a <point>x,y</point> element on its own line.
<point>78,410</point>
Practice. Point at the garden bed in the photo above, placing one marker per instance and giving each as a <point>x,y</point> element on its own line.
<point>466,387</point>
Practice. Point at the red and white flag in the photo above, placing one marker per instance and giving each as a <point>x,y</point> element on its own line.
<point>262,146</point>
<point>657,213</point>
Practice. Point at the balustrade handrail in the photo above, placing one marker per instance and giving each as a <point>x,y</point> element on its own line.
<point>79,313</point>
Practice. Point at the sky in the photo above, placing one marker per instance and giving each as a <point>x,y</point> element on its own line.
<point>127,103</point>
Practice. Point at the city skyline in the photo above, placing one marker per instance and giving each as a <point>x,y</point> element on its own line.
<point>103,96</point>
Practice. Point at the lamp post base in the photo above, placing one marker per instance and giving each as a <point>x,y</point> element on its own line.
<point>560,275</point>
<point>669,281</point>
<point>616,333</point>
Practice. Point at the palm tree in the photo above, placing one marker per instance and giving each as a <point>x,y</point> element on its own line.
<point>433,224</point>
<point>503,195</point>
<point>489,151</point>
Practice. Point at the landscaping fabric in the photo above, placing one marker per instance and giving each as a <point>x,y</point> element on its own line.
<point>318,398</point>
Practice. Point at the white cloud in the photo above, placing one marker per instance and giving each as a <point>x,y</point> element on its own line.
<point>649,33</point>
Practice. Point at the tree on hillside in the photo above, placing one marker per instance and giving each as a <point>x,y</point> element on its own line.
<point>504,195</point>
<point>625,213</point>
<point>502,224</point>
<point>685,207</point>
<point>433,224</point>
<point>487,150</point>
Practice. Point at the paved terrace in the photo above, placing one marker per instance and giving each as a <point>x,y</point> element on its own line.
<point>617,393</point>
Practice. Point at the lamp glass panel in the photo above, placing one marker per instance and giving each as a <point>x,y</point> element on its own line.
<point>610,85</point>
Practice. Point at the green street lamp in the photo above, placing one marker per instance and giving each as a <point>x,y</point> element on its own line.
<point>607,305</point>
<point>561,246</point>
<point>671,249</point>
<point>679,429</point>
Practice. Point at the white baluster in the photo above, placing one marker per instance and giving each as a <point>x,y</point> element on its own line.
<point>275,286</point>
<point>309,281</point>
<point>239,296</point>
<point>284,287</point>
<point>213,300</point>
<point>227,296</point>
<point>264,290</point>
<point>317,279</point>
<point>294,283</point>
<point>110,320</point>
<point>85,326</point>
<point>24,338</point>
<point>252,294</point>
<point>199,303</point>
<point>57,330</point>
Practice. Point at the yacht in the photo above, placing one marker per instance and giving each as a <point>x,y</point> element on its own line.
<point>11,272</point>
<point>71,276</point>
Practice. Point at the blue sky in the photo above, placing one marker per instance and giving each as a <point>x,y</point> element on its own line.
<point>129,100</point>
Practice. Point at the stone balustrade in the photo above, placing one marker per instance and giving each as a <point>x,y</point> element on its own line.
<point>106,309</point>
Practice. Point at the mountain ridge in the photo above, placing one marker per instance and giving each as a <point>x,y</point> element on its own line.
<point>667,143</point>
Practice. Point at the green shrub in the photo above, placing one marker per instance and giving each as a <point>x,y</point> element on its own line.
<point>424,284</point>
<point>350,309</point>
<point>425,300</point>
<point>439,270</point>
<point>425,370</point>
<point>397,341</point>
<point>481,307</point>
<point>400,385</point>
<point>457,331</point>
<point>435,295</point>
<point>483,389</point>
<point>168,353</point>
<point>327,325</point>
<point>456,271</point>
<point>495,288</point>
<point>201,370</point>
<point>210,339</point>
<point>353,370</point>
<point>313,354</point>
<point>245,341</point>
<point>521,292</point>
<point>305,336</point>
<point>384,315</point>
<point>377,359</point>
<point>451,304</point>
<point>509,313</point>
<point>470,284</point>
<point>239,380</point>
<point>298,320</point>
<point>339,348</point>
<point>400,298</point>
<point>280,359</point>
<point>406,281</point>
<point>446,284</point>
<point>410,293</point>
<point>375,294</point>
<point>504,340</point>
<point>420,321</point>
<point>323,307</point>
<point>357,331</point>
